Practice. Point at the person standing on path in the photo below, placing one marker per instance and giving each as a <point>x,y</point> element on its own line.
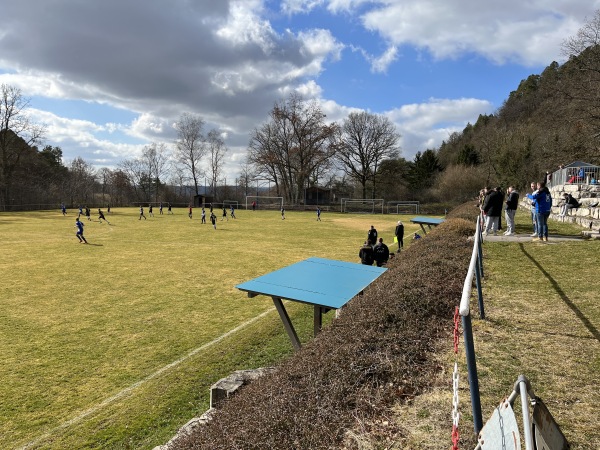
<point>512,203</point>
<point>532,202</point>
<point>543,205</point>
<point>492,209</point>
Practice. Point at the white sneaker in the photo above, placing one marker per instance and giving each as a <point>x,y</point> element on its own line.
<point>534,234</point>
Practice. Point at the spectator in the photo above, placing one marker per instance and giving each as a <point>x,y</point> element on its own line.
<point>381,253</point>
<point>492,209</point>
<point>570,202</point>
<point>366,254</point>
<point>533,219</point>
<point>372,236</point>
<point>543,204</point>
<point>399,234</point>
<point>512,203</point>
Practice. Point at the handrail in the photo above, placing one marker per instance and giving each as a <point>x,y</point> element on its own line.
<point>464,308</point>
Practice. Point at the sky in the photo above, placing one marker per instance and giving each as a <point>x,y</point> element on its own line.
<point>109,77</point>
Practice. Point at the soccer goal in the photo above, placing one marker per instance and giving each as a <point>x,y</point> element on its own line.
<point>263,202</point>
<point>365,206</point>
<point>403,207</point>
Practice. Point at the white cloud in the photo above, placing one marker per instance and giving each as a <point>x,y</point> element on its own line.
<point>426,125</point>
<point>290,7</point>
<point>526,33</point>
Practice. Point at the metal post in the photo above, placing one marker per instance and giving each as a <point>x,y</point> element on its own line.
<point>472,373</point>
<point>318,319</point>
<point>522,381</point>
<point>480,254</point>
<point>479,293</point>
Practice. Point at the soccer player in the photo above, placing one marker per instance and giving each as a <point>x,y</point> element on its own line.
<point>160,209</point>
<point>232,212</point>
<point>87,213</point>
<point>142,213</point>
<point>224,214</point>
<point>318,214</point>
<point>79,234</point>
<point>190,211</point>
<point>213,220</point>
<point>203,216</point>
<point>169,209</point>
<point>101,216</point>
<point>282,213</point>
<point>150,213</point>
<point>63,209</point>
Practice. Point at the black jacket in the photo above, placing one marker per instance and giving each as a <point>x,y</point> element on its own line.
<point>513,200</point>
<point>493,204</point>
<point>366,255</point>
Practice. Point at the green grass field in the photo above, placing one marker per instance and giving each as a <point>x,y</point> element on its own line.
<point>115,344</point>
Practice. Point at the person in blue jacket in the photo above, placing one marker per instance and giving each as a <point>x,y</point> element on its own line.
<point>543,205</point>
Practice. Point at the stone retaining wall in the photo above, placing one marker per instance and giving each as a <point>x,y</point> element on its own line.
<point>587,216</point>
<point>219,391</point>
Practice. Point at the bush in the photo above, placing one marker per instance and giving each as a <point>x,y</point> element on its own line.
<point>377,353</point>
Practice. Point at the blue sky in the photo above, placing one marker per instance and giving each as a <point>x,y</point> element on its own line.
<point>108,78</point>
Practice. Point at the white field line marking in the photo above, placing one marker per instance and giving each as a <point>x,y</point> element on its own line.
<point>129,389</point>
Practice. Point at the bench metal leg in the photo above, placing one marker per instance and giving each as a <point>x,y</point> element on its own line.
<point>289,328</point>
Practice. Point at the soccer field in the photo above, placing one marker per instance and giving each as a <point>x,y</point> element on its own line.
<point>114,344</point>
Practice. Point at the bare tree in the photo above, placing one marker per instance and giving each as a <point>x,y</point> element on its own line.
<point>138,174</point>
<point>17,134</point>
<point>216,154</point>
<point>293,144</point>
<point>156,158</point>
<point>364,141</point>
<point>82,177</point>
<point>190,145</point>
<point>247,174</point>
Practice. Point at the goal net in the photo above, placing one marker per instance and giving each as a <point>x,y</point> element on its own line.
<point>403,207</point>
<point>263,202</point>
<point>365,206</point>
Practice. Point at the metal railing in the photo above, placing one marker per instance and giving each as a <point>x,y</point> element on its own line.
<point>475,269</point>
<point>575,175</point>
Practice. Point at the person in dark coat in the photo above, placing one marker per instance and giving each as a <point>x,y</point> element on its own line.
<point>381,253</point>
<point>372,236</point>
<point>399,233</point>
<point>492,208</point>
<point>366,254</point>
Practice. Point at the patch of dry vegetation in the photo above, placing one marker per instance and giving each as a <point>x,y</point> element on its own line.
<point>341,389</point>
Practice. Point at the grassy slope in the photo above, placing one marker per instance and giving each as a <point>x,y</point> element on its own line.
<point>79,324</point>
<point>543,321</point>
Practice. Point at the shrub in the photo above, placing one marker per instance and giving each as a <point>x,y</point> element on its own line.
<point>377,353</point>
